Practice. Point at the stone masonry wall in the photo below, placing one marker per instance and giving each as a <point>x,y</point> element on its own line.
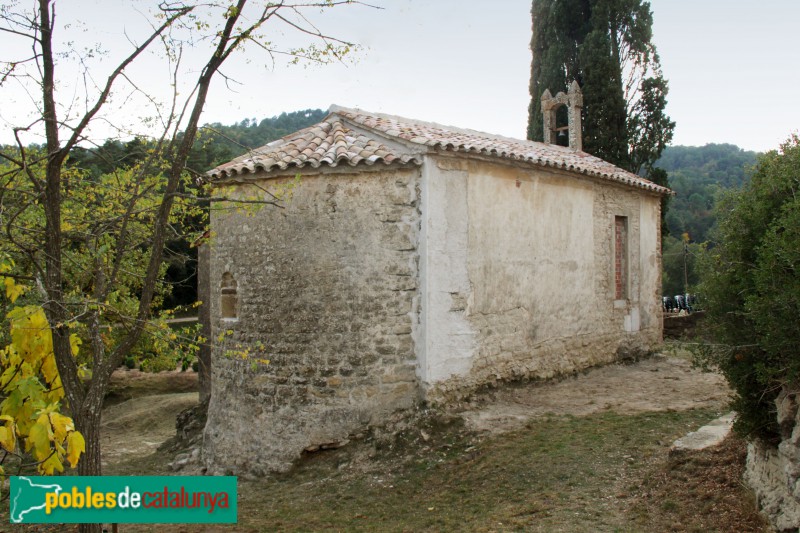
<point>329,286</point>
<point>774,473</point>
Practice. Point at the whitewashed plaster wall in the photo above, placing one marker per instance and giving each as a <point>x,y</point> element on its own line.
<point>517,274</point>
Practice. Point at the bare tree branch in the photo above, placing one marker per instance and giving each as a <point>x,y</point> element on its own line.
<point>78,130</point>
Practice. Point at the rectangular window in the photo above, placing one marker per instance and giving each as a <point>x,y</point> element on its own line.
<point>621,258</point>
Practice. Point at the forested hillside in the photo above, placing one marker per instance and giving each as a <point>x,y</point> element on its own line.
<point>219,144</point>
<point>216,143</point>
<point>697,174</point>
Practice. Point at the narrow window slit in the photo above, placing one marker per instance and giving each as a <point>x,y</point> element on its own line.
<point>228,299</point>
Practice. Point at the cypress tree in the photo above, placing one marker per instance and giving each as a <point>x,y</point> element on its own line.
<point>605,133</point>
<point>559,27</point>
<point>606,45</point>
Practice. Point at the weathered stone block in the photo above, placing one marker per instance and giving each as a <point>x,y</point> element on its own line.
<point>401,283</point>
<point>396,237</point>
<point>399,373</point>
<point>401,266</point>
<point>400,330</point>
<point>391,213</point>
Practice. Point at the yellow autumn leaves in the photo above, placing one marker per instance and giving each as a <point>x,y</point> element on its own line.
<point>51,439</point>
<point>13,289</point>
<point>29,413</point>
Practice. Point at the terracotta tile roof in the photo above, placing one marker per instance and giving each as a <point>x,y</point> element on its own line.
<point>355,137</point>
<point>329,142</point>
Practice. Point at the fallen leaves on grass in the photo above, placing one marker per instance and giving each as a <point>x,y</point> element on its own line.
<point>699,491</point>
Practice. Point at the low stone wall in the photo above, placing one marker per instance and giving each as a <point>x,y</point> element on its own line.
<point>774,473</point>
<point>678,326</point>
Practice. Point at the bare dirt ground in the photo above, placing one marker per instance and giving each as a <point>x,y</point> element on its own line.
<point>141,411</point>
<point>137,427</point>
<point>661,383</point>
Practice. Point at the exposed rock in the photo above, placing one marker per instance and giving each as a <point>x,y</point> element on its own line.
<point>184,459</point>
<point>774,473</point>
<point>189,424</point>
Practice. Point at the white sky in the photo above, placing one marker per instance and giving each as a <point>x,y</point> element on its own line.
<point>732,65</point>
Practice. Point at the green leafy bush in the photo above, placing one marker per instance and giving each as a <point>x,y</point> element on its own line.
<point>166,347</point>
<point>751,288</point>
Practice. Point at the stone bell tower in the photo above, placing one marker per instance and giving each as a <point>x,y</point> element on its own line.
<point>573,99</point>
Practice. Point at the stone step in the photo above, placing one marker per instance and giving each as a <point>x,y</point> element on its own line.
<point>707,436</point>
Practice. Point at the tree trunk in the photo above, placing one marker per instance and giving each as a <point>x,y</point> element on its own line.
<point>87,421</point>
<point>204,316</point>
<point>90,528</point>
<point>89,426</point>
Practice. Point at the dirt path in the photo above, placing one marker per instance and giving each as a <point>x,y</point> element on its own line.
<point>141,410</point>
<point>128,384</point>
<point>135,428</point>
<point>660,383</point>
